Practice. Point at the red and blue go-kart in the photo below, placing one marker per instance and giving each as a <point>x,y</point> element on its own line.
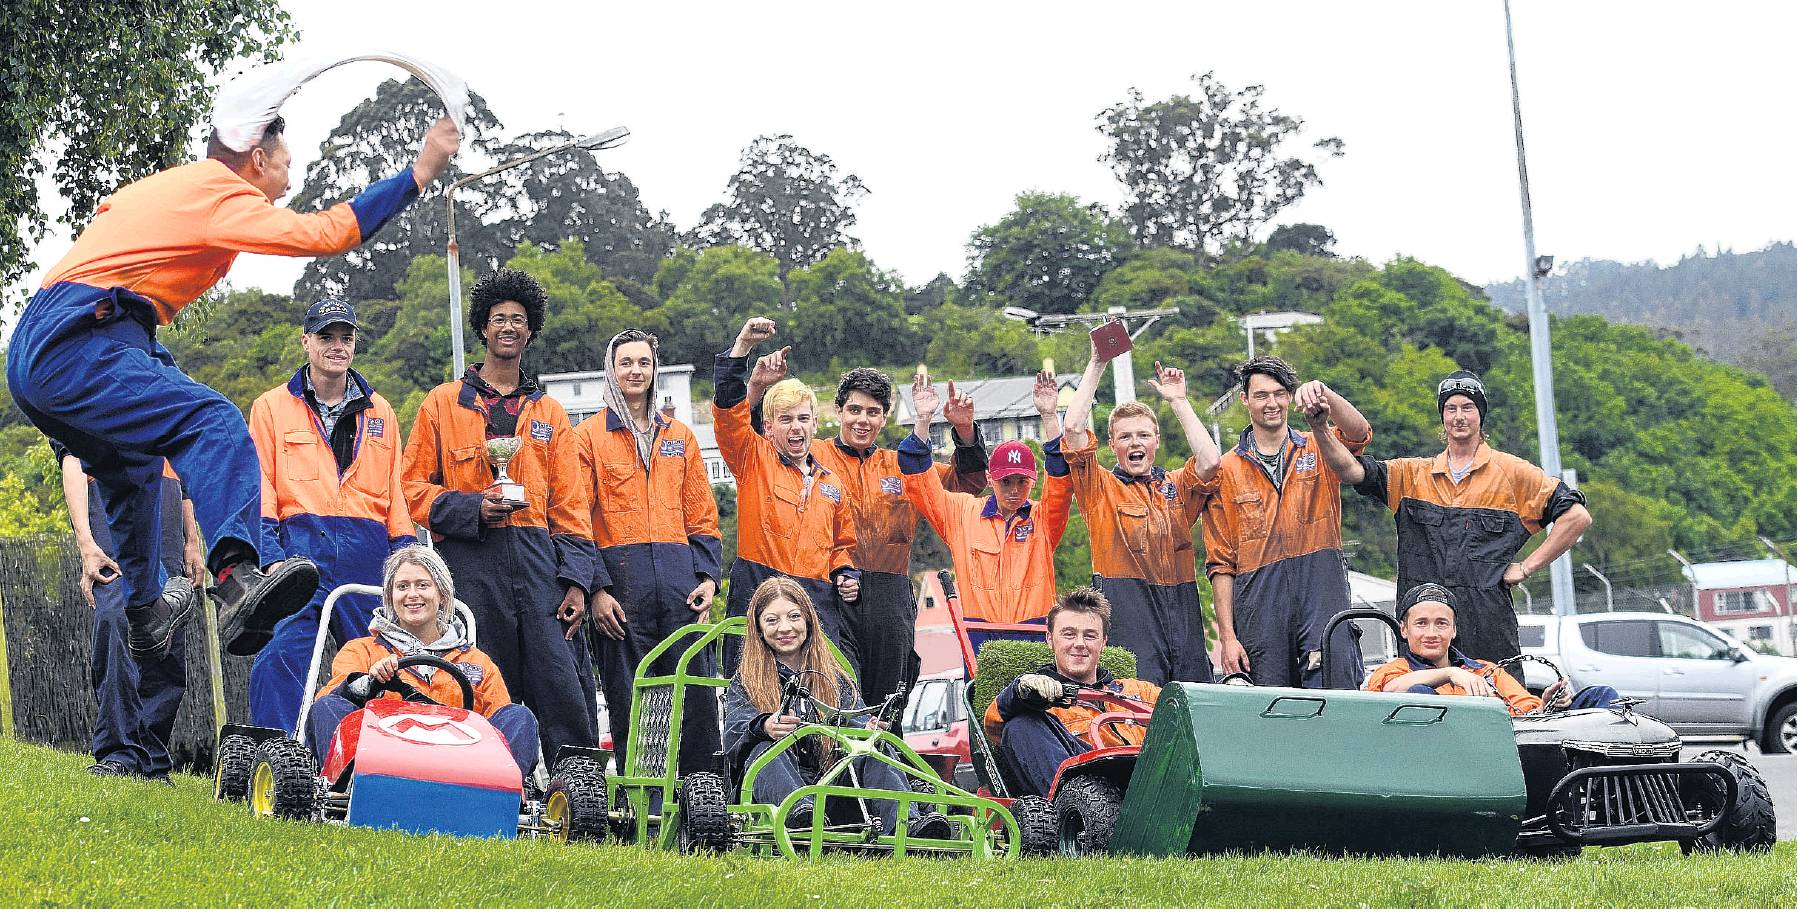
<point>400,762</point>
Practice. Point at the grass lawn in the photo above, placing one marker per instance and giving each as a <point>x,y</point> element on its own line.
<point>68,839</point>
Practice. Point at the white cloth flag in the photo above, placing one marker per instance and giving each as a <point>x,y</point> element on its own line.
<point>251,102</point>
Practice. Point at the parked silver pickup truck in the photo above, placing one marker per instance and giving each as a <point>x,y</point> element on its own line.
<point>1688,674</point>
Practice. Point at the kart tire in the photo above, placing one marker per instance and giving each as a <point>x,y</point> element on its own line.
<point>575,807</point>
<point>1037,830</point>
<point>1773,739</point>
<point>1086,812</point>
<point>705,824</point>
<point>283,782</point>
<point>231,767</point>
<point>1748,825</point>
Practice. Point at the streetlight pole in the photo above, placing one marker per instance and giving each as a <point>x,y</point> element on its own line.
<point>1608,604</point>
<point>1548,437</point>
<point>617,136</point>
<point>1123,373</point>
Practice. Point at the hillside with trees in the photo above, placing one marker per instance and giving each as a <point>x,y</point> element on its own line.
<point>1737,308</point>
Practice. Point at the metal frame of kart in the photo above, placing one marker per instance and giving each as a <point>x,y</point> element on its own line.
<point>651,779</point>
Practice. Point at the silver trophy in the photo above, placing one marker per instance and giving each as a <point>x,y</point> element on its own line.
<point>501,451</point>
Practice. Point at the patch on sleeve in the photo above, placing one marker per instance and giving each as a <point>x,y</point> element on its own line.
<point>674,448</point>
<point>473,671</point>
<point>377,427</point>
<point>890,484</point>
<point>540,430</point>
<point>831,491</point>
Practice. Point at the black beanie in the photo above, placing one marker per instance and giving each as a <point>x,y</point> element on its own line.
<point>1424,592</point>
<point>1462,383</point>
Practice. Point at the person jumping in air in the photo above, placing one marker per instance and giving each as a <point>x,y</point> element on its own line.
<point>86,369</point>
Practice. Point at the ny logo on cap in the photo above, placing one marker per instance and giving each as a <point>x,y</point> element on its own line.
<point>1015,457</point>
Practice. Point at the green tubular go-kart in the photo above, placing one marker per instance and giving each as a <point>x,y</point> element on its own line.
<point>649,803</point>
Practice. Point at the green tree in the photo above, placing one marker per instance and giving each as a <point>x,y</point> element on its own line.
<point>1048,254</point>
<point>847,312</point>
<point>1302,238</point>
<point>570,197</point>
<point>1201,173</point>
<point>974,342</point>
<point>707,294</point>
<point>379,138</point>
<point>786,201</point>
<point>110,92</point>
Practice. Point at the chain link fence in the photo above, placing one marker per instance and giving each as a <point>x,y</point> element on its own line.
<point>49,631</point>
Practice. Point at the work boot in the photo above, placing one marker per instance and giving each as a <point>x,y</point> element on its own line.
<point>932,826</point>
<point>108,769</point>
<point>253,601</point>
<point>153,627</point>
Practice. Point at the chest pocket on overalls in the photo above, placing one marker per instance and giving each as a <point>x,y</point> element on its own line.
<point>1302,486</point>
<point>467,469</point>
<point>300,455</point>
<point>781,519</point>
<point>1251,515</point>
<point>617,488</point>
<point>1489,550</point>
<point>1135,527</point>
<point>372,466</point>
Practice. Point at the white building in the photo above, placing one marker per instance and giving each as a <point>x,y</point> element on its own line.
<point>582,393</point>
<point>1750,600</point>
<point>1003,409</point>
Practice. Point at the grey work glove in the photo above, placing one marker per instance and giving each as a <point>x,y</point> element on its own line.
<point>1039,689</point>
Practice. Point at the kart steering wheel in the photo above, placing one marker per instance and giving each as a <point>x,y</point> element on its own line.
<point>412,694</point>
<point>1526,657</point>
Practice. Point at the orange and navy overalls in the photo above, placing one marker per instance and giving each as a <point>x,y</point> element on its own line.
<point>1035,742</point>
<point>1143,559</point>
<point>1463,536</point>
<point>886,617</point>
<point>1004,568</point>
<point>1282,541</point>
<point>656,528</point>
<point>86,369</point>
<point>347,518</point>
<point>786,526</point>
<point>512,575</point>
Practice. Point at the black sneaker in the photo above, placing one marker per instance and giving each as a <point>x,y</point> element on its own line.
<point>109,769</point>
<point>252,602</point>
<point>153,627</point>
<point>932,826</point>
<point>800,817</point>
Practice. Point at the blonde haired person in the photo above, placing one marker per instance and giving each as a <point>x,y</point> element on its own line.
<point>785,643</point>
<point>417,617</point>
<point>794,516</point>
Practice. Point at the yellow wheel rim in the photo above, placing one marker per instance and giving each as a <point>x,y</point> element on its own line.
<point>262,790</point>
<point>555,815</point>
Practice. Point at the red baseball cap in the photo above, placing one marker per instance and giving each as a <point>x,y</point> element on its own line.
<point>1013,457</point>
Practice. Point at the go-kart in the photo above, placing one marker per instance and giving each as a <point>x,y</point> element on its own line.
<point>402,762</point>
<point>1612,776</point>
<point>1080,812</point>
<point>650,803</point>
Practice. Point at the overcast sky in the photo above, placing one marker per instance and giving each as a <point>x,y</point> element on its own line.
<point>1652,128</point>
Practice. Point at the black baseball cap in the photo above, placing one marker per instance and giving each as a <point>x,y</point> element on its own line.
<point>326,312</point>
<point>1424,592</point>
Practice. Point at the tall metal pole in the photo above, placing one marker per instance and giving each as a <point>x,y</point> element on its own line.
<point>455,290</point>
<point>1548,437</point>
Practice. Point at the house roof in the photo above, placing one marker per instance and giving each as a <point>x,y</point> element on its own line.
<point>999,397</point>
<point>1741,574</point>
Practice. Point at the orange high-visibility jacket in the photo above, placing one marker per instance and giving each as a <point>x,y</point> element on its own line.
<point>448,453</point>
<point>303,495</point>
<point>780,524</point>
<point>636,511</point>
<point>1517,698</point>
<point>885,520</point>
<point>1141,528</point>
<point>1250,524</point>
<point>489,688</point>
<point>174,234</point>
<point>1004,569</point>
<point>1077,719</point>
